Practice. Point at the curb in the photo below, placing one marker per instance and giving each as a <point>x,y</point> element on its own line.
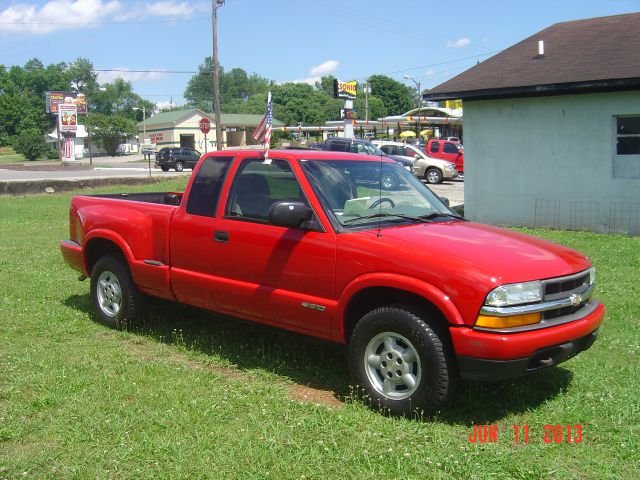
<point>26,187</point>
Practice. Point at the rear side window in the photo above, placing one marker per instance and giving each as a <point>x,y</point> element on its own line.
<point>389,149</point>
<point>434,147</point>
<point>205,191</point>
<point>339,146</point>
<point>450,148</point>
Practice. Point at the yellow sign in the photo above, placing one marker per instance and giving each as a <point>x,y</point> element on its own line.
<point>346,90</point>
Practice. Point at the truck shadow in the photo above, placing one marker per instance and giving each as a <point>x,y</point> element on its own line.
<point>318,364</point>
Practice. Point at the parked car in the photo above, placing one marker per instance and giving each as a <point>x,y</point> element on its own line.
<point>447,150</point>
<point>365,147</point>
<point>177,158</point>
<point>420,295</point>
<point>433,170</point>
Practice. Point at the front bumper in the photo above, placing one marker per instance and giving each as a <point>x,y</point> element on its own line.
<point>482,369</point>
<point>513,352</point>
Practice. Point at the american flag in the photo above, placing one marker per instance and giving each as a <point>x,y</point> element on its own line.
<point>262,133</point>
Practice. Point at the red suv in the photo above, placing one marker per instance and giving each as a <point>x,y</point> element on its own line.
<point>447,150</point>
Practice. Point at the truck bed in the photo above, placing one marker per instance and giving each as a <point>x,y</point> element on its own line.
<point>161,198</point>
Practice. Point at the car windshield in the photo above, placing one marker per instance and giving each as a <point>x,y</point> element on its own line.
<point>373,150</point>
<point>357,193</point>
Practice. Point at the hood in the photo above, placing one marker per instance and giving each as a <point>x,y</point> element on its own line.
<point>503,256</point>
<point>402,160</point>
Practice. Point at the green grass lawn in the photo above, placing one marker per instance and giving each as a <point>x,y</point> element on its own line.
<point>189,394</point>
<point>11,157</point>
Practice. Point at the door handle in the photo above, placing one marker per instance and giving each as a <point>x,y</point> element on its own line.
<point>221,236</point>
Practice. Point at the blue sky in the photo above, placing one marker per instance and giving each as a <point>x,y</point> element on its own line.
<point>284,40</point>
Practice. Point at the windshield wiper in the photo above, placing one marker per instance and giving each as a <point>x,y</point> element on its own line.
<point>385,214</point>
<point>435,215</point>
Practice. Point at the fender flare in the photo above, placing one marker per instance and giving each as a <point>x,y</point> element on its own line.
<point>105,234</point>
<point>396,281</point>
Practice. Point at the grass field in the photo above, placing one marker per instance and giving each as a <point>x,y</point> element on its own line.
<point>7,155</point>
<point>188,394</point>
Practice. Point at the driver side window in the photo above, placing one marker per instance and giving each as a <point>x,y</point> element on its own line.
<point>258,185</point>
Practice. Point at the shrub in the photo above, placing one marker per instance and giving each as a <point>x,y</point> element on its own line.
<point>31,144</point>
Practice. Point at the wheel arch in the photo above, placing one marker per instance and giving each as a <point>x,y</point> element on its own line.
<point>103,242</point>
<point>374,291</point>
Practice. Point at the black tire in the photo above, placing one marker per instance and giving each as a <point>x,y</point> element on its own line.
<point>179,166</point>
<point>433,175</point>
<point>115,297</point>
<point>164,168</point>
<point>389,181</point>
<point>434,371</point>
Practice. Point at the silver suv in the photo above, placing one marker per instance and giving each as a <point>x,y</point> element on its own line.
<point>433,170</point>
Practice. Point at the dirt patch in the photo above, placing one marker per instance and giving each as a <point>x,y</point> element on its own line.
<point>306,394</point>
<point>301,393</point>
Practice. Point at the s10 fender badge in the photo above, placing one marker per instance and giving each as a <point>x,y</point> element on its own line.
<point>313,306</point>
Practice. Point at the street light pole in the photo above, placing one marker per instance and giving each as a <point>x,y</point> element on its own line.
<point>216,81</point>
<point>417,83</point>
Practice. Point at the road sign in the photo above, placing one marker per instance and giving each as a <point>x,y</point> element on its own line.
<point>205,125</point>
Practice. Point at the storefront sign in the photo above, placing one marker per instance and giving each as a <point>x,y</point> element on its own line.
<point>53,99</point>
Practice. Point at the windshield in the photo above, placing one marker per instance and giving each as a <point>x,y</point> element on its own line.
<point>373,150</point>
<point>357,193</point>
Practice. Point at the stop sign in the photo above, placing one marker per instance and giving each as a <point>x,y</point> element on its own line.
<point>205,125</point>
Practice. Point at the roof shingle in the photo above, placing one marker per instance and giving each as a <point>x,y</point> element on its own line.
<point>601,51</point>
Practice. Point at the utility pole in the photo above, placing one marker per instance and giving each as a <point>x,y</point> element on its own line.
<point>216,81</point>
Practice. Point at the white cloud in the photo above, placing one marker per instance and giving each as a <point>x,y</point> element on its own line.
<point>461,42</point>
<point>129,76</point>
<point>430,72</point>
<point>55,15</point>
<point>318,71</point>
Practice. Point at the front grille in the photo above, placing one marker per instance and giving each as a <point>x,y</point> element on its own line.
<point>569,285</point>
<point>562,312</point>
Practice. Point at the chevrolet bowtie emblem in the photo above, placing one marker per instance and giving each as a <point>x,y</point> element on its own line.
<point>575,299</point>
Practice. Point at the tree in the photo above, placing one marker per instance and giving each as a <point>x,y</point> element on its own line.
<point>31,144</point>
<point>236,88</point>
<point>396,97</point>
<point>112,130</point>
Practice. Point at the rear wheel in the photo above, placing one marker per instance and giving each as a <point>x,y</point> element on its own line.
<point>433,175</point>
<point>179,166</point>
<point>389,181</point>
<point>401,363</point>
<point>115,297</point>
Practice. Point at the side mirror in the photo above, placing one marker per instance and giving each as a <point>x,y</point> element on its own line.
<point>445,200</point>
<point>417,157</point>
<point>289,214</point>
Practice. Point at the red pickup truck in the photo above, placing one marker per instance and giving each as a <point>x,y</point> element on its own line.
<point>313,242</point>
<point>447,150</point>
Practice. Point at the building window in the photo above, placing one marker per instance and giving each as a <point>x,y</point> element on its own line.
<point>628,135</point>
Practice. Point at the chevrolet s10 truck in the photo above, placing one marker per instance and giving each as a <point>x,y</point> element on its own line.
<point>313,242</point>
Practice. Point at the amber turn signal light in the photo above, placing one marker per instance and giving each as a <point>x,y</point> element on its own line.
<point>485,321</point>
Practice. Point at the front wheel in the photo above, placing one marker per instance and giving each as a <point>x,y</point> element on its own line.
<point>401,363</point>
<point>179,166</point>
<point>164,168</point>
<point>433,175</point>
<point>115,297</point>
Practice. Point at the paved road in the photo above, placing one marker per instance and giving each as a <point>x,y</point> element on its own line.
<point>103,167</point>
<point>134,166</point>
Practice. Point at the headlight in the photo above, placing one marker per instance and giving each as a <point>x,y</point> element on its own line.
<point>592,275</point>
<point>408,167</point>
<point>451,166</point>
<point>515,294</point>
